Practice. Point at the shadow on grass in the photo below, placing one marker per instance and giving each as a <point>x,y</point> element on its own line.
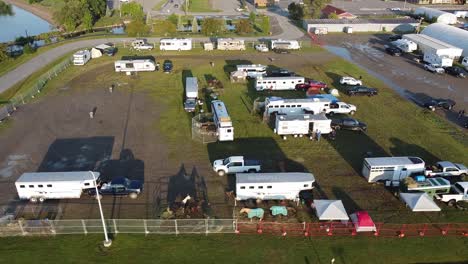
<point>401,148</point>
<point>348,202</point>
<point>138,57</point>
<point>231,65</point>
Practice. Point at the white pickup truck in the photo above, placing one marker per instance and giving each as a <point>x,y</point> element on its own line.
<point>340,108</point>
<point>447,169</point>
<point>458,192</point>
<point>141,44</point>
<point>235,164</point>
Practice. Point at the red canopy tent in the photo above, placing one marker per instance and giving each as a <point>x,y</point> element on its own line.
<point>363,222</point>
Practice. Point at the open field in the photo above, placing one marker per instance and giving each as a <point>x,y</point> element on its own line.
<point>233,249</point>
<point>200,6</point>
<point>141,131</point>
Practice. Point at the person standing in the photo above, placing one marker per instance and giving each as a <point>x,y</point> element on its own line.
<point>319,135</point>
<point>461,113</point>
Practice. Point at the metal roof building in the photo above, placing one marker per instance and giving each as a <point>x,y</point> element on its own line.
<point>429,44</point>
<point>361,25</point>
<point>442,16</point>
<point>449,34</point>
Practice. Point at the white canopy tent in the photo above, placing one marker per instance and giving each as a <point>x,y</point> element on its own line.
<point>330,210</point>
<point>419,202</point>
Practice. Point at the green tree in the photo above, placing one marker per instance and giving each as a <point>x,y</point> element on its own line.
<point>4,53</point>
<point>212,26</point>
<point>252,17</point>
<point>244,27</point>
<point>133,10</point>
<point>88,20</point>
<point>180,25</point>
<point>5,9</point>
<point>97,8</point>
<point>195,25</point>
<point>243,4</point>
<point>28,49</point>
<point>316,7</point>
<point>296,11</point>
<point>70,15</point>
<point>265,24</point>
<point>173,18</point>
<point>137,28</point>
<point>333,16</point>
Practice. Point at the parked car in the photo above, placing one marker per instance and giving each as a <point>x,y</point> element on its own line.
<point>235,164</point>
<point>110,51</point>
<point>315,85</point>
<point>350,81</point>
<point>281,51</point>
<point>361,90</point>
<point>440,103</point>
<point>447,168</point>
<point>176,6</point>
<point>262,47</point>
<point>341,108</point>
<point>348,124</point>
<point>434,68</point>
<point>458,192</point>
<point>120,186</point>
<point>395,9</point>
<point>394,37</point>
<point>456,71</point>
<point>280,73</point>
<point>167,66</point>
<point>393,51</point>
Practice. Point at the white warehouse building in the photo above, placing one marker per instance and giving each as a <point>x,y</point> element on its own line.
<point>442,16</point>
<point>428,44</point>
<point>449,34</point>
<point>359,25</point>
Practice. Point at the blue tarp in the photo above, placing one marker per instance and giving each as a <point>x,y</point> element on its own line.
<point>330,97</point>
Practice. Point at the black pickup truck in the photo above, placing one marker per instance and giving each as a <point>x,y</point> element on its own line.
<point>119,186</point>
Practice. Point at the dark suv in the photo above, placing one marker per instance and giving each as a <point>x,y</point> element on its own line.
<point>439,103</point>
<point>456,71</point>
<point>394,51</point>
<point>361,90</point>
<point>167,66</point>
<point>349,124</point>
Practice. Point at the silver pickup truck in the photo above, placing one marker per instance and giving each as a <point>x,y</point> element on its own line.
<point>235,164</point>
<point>458,192</point>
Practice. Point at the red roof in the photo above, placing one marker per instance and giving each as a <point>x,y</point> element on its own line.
<point>340,12</point>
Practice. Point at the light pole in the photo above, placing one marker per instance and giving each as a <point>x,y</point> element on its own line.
<point>107,242</point>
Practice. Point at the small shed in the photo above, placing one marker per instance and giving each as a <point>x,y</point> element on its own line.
<point>363,222</point>
<point>439,15</point>
<point>419,202</point>
<point>208,46</point>
<point>330,210</point>
<point>238,76</point>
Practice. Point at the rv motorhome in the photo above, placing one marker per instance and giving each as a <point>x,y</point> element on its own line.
<point>134,65</point>
<point>302,124</point>
<point>394,169</point>
<point>442,61</point>
<point>223,122</point>
<point>285,44</point>
<point>272,186</point>
<point>191,94</point>
<point>175,44</point>
<point>40,186</point>
<point>278,83</point>
<point>405,45</point>
<point>253,70</point>
<point>230,44</point>
<point>81,57</point>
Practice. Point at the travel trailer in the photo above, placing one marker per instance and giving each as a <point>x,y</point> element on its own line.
<point>81,57</point>
<point>405,45</point>
<point>191,94</point>
<point>134,65</point>
<point>230,44</point>
<point>314,105</point>
<point>285,44</point>
<point>278,83</point>
<point>175,44</point>
<point>223,122</point>
<point>302,124</point>
<point>442,61</point>
<point>393,169</point>
<point>40,186</point>
<point>253,70</point>
<point>272,186</point>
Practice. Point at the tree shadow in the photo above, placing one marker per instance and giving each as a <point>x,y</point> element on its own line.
<point>231,65</point>
<point>348,202</point>
<point>182,184</point>
<point>401,148</point>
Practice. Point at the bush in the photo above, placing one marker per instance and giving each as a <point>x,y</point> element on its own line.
<point>212,26</point>
<point>137,28</point>
<point>133,10</point>
<point>244,27</point>
<point>28,49</point>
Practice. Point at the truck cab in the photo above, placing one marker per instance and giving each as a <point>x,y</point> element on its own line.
<point>341,108</point>
<point>235,164</point>
<point>118,187</point>
<point>458,192</point>
<point>447,169</point>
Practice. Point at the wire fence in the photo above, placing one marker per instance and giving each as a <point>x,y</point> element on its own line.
<point>33,90</point>
<point>207,226</point>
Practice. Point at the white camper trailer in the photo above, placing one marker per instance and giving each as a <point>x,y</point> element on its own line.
<point>394,169</point>
<point>302,124</point>
<point>285,44</point>
<point>253,70</point>
<point>191,94</point>
<point>230,44</point>
<point>175,44</point>
<point>223,122</point>
<point>40,186</point>
<point>81,57</point>
<point>278,83</point>
<point>442,61</point>
<point>278,105</point>
<point>272,186</point>
<point>134,65</point>
<point>405,45</point>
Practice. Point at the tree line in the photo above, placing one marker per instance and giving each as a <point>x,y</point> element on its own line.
<point>80,12</point>
<point>309,9</point>
<point>5,9</point>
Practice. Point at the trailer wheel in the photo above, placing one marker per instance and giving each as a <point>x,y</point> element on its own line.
<point>133,195</point>
<point>452,202</point>
<point>221,173</point>
<point>252,171</point>
<point>33,199</point>
<point>41,199</point>
<point>352,112</point>
<point>464,177</point>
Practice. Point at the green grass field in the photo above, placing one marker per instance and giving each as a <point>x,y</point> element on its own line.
<point>232,249</point>
<point>200,6</point>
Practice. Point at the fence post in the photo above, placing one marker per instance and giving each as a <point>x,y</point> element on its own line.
<point>176,230</point>
<point>115,226</point>
<point>206,226</point>
<point>20,223</point>
<point>146,227</point>
<point>52,227</point>
<point>84,227</point>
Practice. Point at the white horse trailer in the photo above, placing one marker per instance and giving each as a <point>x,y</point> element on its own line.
<point>223,122</point>
<point>81,57</point>
<point>303,124</point>
<point>285,44</point>
<point>40,186</point>
<point>394,169</point>
<point>230,44</point>
<point>175,44</point>
<point>272,186</point>
<point>278,105</point>
<point>278,83</point>
<point>134,65</point>
<point>253,70</point>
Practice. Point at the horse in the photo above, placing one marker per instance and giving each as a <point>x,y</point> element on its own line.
<point>251,213</point>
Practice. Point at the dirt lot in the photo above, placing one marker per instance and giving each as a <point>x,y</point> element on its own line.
<point>401,73</point>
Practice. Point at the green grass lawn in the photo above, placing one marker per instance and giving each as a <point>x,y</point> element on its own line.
<point>232,249</point>
<point>200,6</point>
<point>159,5</point>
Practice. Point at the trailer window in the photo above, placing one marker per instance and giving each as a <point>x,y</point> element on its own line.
<point>86,184</point>
<point>31,186</point>
<point>288,106</point>
<point>242,187</point>
<point>276,106</point>
<point>49,185</point>
<point>306,185</point>
<point>251,187</point>
<point>40,186</point>
<point>293,105</point>
<point>22,186</point>
<point>299,105</point>
<point>260,187</point>
<point>229,130</point>
<point>269,187</point>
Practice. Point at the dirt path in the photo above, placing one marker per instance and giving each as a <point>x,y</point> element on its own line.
<point>36,9</point>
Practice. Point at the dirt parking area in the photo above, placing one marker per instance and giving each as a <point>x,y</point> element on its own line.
<point>402,74</point>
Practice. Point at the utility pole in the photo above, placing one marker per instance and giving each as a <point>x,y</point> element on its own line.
<point>107,242</point>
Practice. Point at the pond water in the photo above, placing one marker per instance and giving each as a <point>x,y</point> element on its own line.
<point>22,23</point>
